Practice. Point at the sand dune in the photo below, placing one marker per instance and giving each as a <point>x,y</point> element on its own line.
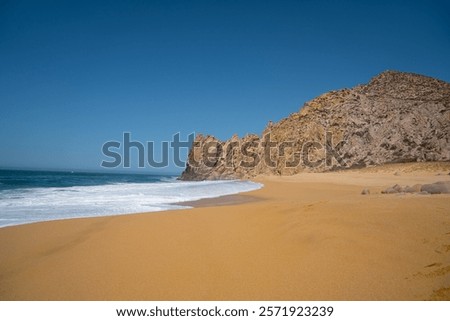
<point>305,237</point>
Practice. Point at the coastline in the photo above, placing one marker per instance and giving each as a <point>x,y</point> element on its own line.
<point>36,196</point>
<point>311,236</point>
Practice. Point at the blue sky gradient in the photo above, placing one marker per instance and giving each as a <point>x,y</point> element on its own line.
<point>76,74</point>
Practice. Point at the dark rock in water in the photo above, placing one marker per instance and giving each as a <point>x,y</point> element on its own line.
<point>436,188</point>
<point>365,191</point>
<point>396,117</point>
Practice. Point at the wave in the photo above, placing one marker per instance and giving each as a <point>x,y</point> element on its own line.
<point>20,206</point>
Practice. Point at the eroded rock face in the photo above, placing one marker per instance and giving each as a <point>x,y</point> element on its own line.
<point>396,117</point>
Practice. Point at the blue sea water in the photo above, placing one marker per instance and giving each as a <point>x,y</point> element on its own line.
<point>33,196</point>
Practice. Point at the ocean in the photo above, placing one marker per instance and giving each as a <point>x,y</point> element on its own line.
<point>34,196</point>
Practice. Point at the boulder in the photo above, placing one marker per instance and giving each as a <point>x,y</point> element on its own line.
<point>389,190</point>
<point>414,189</point>
<point>436,188</point>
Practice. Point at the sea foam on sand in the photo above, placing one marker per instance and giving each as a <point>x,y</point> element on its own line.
<point>22,206</point>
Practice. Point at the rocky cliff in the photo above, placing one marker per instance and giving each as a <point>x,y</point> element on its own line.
<point>396,117</point>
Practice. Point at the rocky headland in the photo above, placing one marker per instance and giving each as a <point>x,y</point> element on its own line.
<point>396,117</point>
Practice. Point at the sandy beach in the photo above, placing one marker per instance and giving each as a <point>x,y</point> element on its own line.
<point>311,236</point>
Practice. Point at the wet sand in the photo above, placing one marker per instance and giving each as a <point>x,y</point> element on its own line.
<point>222,200</point>
<point>304,237</point>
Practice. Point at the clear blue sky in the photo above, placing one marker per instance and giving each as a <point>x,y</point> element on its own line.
<point>75,74</point>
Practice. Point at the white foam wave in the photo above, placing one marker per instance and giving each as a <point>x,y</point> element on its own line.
<point>44,204</point>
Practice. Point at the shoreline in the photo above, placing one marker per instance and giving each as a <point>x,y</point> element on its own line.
<point>18,205</point>
<point>225,200</point>
<point>306,237</point>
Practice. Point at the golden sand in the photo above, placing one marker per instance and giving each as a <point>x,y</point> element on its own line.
<point>307,237</point>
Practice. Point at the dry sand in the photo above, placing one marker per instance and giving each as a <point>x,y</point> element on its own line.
<point>306,237</point>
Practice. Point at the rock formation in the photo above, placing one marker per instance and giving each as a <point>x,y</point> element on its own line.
<point>396,117</point>
<point>441,187</point>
